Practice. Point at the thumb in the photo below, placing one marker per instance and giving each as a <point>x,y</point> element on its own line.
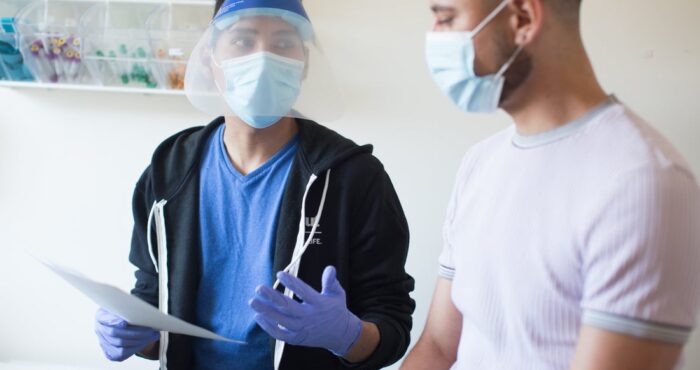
<point>329,281</point>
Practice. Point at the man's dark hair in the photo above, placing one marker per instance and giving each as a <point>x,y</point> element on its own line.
<point>567,8</point>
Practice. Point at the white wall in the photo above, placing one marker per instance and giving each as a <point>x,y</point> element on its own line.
<point>69,160</point>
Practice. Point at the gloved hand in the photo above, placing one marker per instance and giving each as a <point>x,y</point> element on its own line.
<point>322,320</point>
<point>120,340</point>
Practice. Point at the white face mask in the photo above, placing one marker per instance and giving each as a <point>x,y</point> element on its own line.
<point>451,58</point>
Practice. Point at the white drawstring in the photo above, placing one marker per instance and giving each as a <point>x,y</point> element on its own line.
<point>161,266</point>
<point>148,235</point>
<point>299,252</point>
<point>293,267</point>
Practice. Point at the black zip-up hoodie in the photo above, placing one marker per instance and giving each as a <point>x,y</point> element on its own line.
<point>363,233</point>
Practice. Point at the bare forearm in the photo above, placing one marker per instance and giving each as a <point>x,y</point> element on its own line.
<point>365,345</point>
<point>426,355</point>
<point>598,349</point>
<point>437,347</point>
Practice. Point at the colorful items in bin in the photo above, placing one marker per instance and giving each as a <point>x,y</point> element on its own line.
<point>53,55</point>
<point>41,60</point>
<point>176,77</point>
<point>129,68</point>
<point>11,62</point>
<point>57,58</point>
<point>72,60</point>
<point>177,67</point>
<point>139,72</point>
<point>7,24</point>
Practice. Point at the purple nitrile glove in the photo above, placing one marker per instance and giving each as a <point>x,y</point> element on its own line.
<point>322,320</point>
<point>120,340</point>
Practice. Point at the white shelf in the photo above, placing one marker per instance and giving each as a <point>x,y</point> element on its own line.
<point>93,88</point>
<point>178,2</point>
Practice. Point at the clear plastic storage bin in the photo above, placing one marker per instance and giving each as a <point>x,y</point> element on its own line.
<point>11,62</point>
<point>173,32</point>
<point>116,47</point>
<point>50,42</point>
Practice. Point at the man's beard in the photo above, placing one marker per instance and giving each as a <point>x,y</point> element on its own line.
<point>518,72</point>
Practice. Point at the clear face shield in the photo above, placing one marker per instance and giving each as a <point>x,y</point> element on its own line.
<point>260,65</point>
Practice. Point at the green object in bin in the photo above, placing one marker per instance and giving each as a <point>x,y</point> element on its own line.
<point>137,72</point>
<point>124,77</point>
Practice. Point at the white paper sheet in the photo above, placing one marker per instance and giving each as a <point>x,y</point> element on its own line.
<point>132,309</point>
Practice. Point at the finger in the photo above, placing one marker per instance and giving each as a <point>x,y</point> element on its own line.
<point>263,309</point>
<point>281,302</point>
<point>104,343</point>
<point>115,353</point>
<point>300,288</point>
<point>330,282</point>
<point>272,329</point>
<point>110,352</point>
<point>107,318</point>
<point>131,332</point>
<point>124,342</point>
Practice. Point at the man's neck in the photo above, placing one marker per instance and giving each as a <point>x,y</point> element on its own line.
<point>249,148</point>
<point>555,94</point>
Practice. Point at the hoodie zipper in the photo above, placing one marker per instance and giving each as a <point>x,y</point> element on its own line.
<point>161,262</point>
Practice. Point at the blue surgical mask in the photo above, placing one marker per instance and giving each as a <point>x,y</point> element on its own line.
<point>451,56</point>
<point>262,88</point>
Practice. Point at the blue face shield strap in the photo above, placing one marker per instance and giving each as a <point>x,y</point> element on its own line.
<point>291,11</point>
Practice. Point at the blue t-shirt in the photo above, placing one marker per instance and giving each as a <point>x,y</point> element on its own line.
<point>238,223</point>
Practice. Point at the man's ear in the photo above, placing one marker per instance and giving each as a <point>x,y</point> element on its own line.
<point>526,20</point>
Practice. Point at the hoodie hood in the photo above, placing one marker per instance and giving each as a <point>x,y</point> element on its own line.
<point>320,149</point>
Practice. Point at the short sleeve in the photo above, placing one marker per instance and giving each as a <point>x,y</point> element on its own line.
<point>447,266</point>
<point>446,259</point>
<point>641,259</point>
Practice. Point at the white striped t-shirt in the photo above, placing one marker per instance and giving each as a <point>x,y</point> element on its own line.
<point>595,223</point>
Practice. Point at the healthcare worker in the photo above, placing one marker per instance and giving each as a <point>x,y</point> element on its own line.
<point>263,189</point>
<point>572,238</point>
